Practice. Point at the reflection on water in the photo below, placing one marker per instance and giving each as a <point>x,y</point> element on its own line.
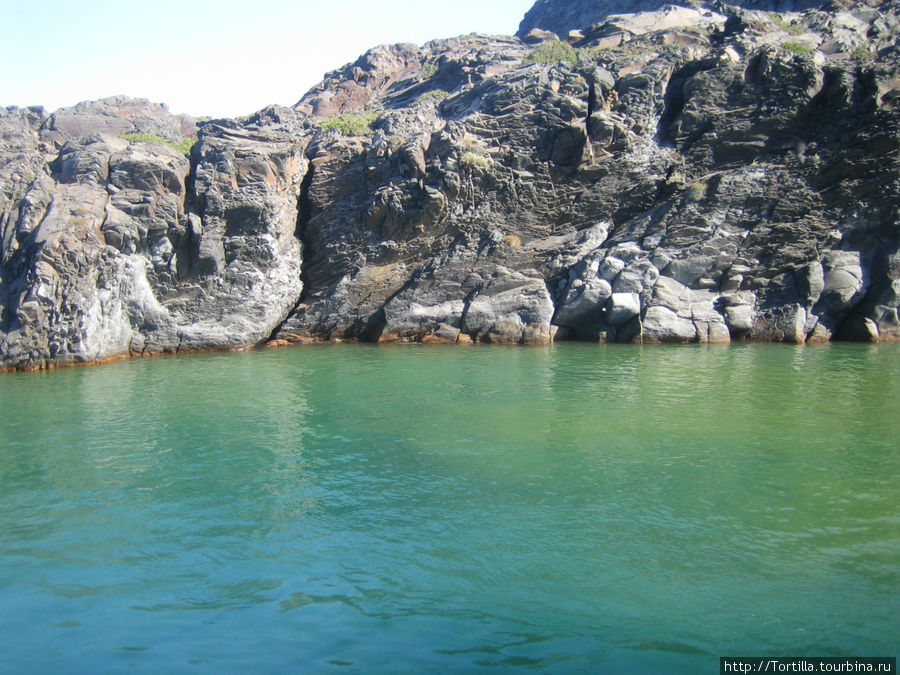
<point>567,508</point>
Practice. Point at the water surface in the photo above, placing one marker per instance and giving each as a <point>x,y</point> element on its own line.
<point>360,508</point>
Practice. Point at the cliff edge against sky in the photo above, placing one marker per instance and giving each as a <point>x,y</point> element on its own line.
<point>685,173</point>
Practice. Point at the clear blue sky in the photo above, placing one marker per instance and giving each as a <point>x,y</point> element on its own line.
<point>212,57</point>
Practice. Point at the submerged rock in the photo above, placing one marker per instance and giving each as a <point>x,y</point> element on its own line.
<point>678,175</point>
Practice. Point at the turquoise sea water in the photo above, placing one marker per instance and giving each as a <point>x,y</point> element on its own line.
<point>577,508</point>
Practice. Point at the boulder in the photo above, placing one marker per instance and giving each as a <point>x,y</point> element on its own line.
<point>622,307</point>
<point>661,324</point>
<point>514,309</point>
<point>739,319</point>
<point>843,283</point>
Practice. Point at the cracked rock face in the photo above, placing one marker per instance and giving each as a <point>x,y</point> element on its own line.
<point>679,175</point>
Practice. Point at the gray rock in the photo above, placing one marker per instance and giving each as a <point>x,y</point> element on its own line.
<point>812,282</point>
<point>584,304</point>
<point>739,319</point>
<point>536,35</point>
<point>429,305</point>
<point>119,257</point>
<point>708,321</point>
<point>638,276</point>
<point>610,268</point>
<point>672,295</point>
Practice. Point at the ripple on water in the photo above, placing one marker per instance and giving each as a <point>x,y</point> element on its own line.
<point>568,508</point>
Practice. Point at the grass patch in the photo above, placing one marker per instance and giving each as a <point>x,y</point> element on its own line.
<point>796,48</point>
<point>513,241</point>
<point>788,26</point>
<point>552,52</point>
<point>352,124</point>
<point>184,146</point>
<point>473,160</point>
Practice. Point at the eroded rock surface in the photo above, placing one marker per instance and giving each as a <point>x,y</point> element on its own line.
<point>680,175</point>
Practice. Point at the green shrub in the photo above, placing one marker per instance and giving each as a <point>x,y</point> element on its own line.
<point>436,95</point>
<point>352,124</point>
<point>183,146</point>
<point>696,192</point>
<point>863,53</point>
<point>796,48</point>
<point>552,52</point>
<point>428,70</point>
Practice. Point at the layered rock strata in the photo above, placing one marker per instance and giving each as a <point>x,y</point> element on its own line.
<point>681,175</point>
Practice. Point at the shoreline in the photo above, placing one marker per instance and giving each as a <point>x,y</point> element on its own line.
<point>409,341</point>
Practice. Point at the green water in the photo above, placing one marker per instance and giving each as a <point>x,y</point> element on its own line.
<point>567,509</point>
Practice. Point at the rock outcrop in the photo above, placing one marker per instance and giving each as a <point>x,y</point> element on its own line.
<point>563,18</point>
<point>675,175</point>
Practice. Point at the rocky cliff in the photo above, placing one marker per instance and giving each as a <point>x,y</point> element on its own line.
<point>679,174</point>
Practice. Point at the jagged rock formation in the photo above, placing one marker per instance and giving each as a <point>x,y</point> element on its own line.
<point>678,175</point>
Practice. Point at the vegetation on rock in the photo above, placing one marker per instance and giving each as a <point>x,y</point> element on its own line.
<point>552,52</point>
<point>863,53</point>
<point>428,70</point>
<point>788,26</point>
<point>352,124</point>
<point>436,95</point>
<point>474,160</point>
<point>184,146</point>
<point>796,48</point>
